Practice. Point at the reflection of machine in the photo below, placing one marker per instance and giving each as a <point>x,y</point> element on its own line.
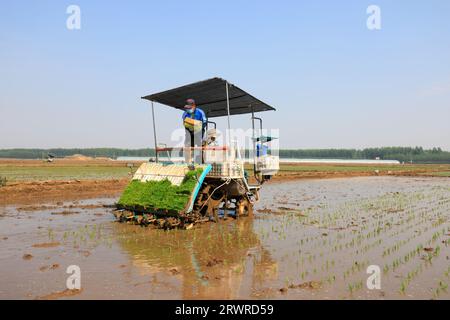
<point>199,262</point>
<point>220,181</point>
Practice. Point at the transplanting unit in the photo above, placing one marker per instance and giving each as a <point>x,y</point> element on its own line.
<point>169,194</point>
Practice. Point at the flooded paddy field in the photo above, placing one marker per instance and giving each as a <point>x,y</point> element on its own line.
<point>308,239</point>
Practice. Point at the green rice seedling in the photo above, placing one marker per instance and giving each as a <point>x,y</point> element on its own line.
<point>447,273</point>
<point>443,286</point>
<point>160,194</point>
<point>350,288</point>
<point>403,286</point>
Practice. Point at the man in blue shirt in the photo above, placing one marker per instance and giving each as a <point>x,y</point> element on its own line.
<point>194,120</point>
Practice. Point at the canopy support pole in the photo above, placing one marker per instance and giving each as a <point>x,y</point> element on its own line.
<point>154,131</point>
<point>255,155</point>
<point>254,141</point>
<point>228,111</point>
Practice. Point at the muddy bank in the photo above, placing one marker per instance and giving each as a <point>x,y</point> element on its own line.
<point>55,191</point>
<point>36,181</point>
<point>292,176</point>
<point>283,176</point>
<point>35,192</point>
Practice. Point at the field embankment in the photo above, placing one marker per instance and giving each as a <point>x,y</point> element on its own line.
<point>29,181</point>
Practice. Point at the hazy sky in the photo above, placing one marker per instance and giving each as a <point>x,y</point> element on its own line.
<point>334,82</point>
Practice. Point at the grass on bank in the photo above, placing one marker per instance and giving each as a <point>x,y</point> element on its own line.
<point>13,173</point>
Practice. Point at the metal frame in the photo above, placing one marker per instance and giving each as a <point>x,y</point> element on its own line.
<point>228,110</point>
<point>212,122</point>
<point>254,142</point>
<point>253,118</point>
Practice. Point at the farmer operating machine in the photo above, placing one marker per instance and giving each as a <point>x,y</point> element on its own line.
<point>169,194</point>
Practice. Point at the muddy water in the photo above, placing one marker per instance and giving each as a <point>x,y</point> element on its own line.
<point>308,240</point>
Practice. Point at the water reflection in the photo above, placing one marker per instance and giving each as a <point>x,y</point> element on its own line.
<point>224,260</point>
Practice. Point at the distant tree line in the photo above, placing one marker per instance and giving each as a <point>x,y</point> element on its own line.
<point>402,154</point>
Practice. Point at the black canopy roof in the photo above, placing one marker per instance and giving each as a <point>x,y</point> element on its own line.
<point>210,96</point>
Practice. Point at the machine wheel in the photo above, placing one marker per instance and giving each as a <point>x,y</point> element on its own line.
<point>244,208</point>
<point>208,203</point>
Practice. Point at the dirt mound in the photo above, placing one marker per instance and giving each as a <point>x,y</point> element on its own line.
<point>79,157</point>
<point>103,159</point>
